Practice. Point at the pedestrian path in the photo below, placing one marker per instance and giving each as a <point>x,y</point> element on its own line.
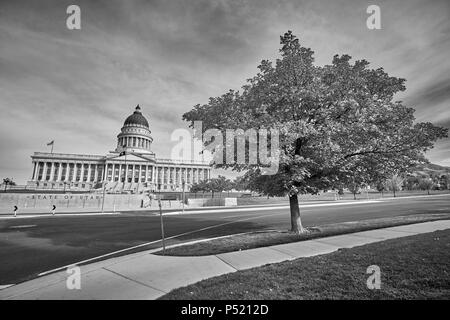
<point>144,275</point>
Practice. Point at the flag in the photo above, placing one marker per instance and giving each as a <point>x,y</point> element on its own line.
<point>51,143</point>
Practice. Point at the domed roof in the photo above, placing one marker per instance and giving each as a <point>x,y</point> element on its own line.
<point>136,118</point>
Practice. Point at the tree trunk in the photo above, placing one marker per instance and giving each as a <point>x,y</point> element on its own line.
<point>428,191</point>
<point>394,192</point>
<point>296,222</point>
<point>354,195</point>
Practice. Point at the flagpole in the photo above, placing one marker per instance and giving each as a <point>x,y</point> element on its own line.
<point>52,147</point>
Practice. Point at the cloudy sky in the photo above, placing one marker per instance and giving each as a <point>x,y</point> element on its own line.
<point>77,86</point>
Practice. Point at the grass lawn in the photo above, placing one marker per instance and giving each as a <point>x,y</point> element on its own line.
<point>415,267</point>
<point>274,237</point>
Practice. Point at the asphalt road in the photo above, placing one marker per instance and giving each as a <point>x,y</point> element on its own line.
<point>29,246</point>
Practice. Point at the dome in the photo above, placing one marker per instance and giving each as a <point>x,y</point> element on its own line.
<point>136,119</point>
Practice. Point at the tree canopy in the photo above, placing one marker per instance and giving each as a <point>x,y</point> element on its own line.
<point>336,123</point>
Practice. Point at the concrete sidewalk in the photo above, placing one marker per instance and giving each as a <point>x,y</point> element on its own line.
<point>146,276</point>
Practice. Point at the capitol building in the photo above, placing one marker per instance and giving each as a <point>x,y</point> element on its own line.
<point>131,167</point>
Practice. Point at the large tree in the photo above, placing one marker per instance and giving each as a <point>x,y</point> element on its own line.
<point>336,122</point>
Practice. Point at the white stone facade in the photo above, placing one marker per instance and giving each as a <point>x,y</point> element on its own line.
<point>131,167</point>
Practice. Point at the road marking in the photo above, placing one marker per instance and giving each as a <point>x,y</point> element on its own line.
<point>4,286</point>
<point>23,226</point>
<point>237,209</point>
<point>2,216</point>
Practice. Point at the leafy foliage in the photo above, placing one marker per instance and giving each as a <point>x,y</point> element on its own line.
<point>338,123</point>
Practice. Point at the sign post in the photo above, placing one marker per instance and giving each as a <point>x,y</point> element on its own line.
<point>104,191</point>
<point>161,220</point>
<point>183,194</point>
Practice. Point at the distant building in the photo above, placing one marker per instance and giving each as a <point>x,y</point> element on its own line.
<point>131,167</point>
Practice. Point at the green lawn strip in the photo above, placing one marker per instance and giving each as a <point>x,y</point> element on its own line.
<point>274,237</point>
<point>330,197</point>
<point>413,267</point>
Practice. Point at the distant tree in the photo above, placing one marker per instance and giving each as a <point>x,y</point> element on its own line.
<point>331,120</point>
<point>381,186</point>
<point>394,183</point>
<point>444,181</point>
<point>203,186</point>
<point>218,184</point>
<point>426,184</point>
<point>354,189</point>
<point>240,184</point>
<point>411,182</point>
<point>8,181</point>
<point>195,187</point>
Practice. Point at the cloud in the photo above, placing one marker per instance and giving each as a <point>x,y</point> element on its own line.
<point>77,87</point>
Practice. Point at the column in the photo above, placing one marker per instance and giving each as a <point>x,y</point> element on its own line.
<point>89,172</point>
<point>33,176</point>
<point>105,171</point>
<point>74,171</point>
<point>60,171</point>
<point>44,171</point>
<point>96,173</point>
<point>52,168</point>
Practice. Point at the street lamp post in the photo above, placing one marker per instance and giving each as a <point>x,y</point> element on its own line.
<point>161,219</point>
<point>104,191</point>
<point>183,183</point>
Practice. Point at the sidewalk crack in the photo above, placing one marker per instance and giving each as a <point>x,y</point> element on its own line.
<point>226,262</point>
<point>138,282</point>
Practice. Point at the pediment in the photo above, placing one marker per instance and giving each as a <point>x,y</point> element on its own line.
<point>130,157</point>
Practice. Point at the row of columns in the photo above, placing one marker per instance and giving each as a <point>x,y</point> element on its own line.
<point>136,142</point>
<point>94,172</point>
<point>67,171</point>
<point>122,171</point>
<point>156,174</point>
<point>176,175</point>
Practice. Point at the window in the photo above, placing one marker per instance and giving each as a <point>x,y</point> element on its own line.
<point>55,172</point>
<point>116,173</point>
<point>49,169</point>
<point>71,168</point>
<point>63,171</point>
<point>85,172</point>
<point>78,176</point>
<point>143,171</point>
<point>92,173</point>
<point>99,172</point>
<point>40,170</point>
